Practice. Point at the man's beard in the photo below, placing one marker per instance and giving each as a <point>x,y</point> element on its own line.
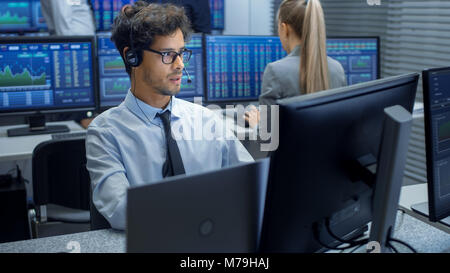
<point>162,90</point>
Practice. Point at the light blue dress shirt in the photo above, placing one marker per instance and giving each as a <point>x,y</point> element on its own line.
<point>126,146</point>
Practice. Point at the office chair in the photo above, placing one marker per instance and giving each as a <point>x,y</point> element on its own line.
<point>61,185</point>
<point>97,219</point>
<point>13,211</point>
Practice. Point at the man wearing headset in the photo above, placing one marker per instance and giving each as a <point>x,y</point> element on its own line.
<point>152,134</point>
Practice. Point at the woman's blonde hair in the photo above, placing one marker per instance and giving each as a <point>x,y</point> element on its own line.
<point>307,20</point>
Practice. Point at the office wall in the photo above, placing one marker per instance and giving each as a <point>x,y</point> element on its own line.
<point>414,33</point>
<point>248,17</point>
<point>414,36</point>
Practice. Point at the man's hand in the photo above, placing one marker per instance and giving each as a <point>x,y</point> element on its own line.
<point>85,122</point>
<point>252,117</point>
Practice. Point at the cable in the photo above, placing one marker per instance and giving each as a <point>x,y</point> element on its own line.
<point>391,246</point>
<point>403,243</point>
<point>356,248</point>
<point>11,171</point>
<point>352,244</point>
<point>334,248</point>
<point>133,72</point>
<point>19,177</point>
<point>351,241</point>
<point>317,237</point>
<point>134,94</point>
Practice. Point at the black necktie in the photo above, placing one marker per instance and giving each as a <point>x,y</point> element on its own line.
<point>174,163</point>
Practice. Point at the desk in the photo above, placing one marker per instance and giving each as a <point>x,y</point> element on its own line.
<point>21,148</point>
<point>415,194</point>
<point>98,241</point>
<point>424,238</point>
<point>231,124</point>
<point>247,136</point>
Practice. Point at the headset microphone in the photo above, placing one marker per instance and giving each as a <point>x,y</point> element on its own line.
<point>187,73</point>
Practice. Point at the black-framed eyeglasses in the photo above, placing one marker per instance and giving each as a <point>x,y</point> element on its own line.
<point>169,57</point>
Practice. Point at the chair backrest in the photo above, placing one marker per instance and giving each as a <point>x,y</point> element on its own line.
<point>14,213</point>
<point>97,219</point>
<point>59,174</point>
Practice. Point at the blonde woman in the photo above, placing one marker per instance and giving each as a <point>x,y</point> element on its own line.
<point>306,69</point>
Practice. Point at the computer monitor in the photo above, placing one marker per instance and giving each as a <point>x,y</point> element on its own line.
<point>40,75</point>
<point>234,74</point>
<point>235,65</point>
<point>359,56</point>
<point>21,16</point>
<point>106,10</point>
<point>218,211</point>
<point>196,70</point>
<point>115,82</point>
<point>321,174</point>
<point>436,97</point>
<point>15,16</point>
<point>38,17</point>
<point>217,8</point>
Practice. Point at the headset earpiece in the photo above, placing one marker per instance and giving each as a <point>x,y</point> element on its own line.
<point>133,58</point>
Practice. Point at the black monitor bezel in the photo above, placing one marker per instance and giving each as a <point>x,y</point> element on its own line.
<point>435,212</point>
<point>302,104</point>
<point>55,39</point>
<point>234,101</point>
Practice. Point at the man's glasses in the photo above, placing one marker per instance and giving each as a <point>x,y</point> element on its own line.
<point>169,57</point>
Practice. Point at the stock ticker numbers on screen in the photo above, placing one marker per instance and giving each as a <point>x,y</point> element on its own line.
<point>235,65</point>
<point>217,8</point>
<point>358,56</point>
<point>45,75</point>
<point>106,10</point>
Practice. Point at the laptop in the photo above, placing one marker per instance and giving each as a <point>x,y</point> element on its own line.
<point>214,212</point>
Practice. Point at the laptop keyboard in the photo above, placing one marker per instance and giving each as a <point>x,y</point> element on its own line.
<point>69,135</point>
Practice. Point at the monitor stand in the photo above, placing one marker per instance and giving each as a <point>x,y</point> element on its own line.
<point>422,209</point>
<point>389,174</point>
<point>37,127</point>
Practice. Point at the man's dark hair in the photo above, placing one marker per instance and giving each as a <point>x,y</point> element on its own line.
<point>148,21</point>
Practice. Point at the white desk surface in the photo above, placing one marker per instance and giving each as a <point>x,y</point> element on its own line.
<point>413,194</point>
<point>19,148</point>
<point>416,194</point>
